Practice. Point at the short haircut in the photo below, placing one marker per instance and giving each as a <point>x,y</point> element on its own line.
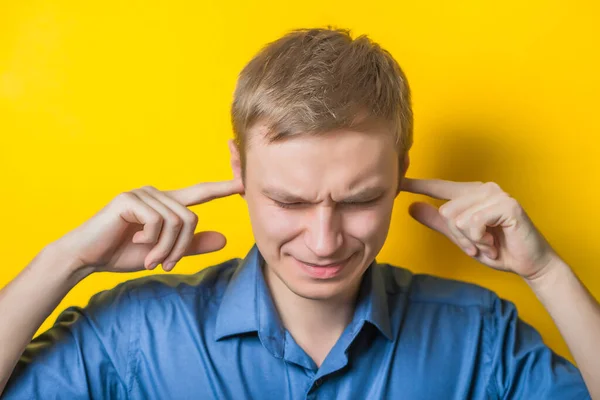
<point>313,81</point>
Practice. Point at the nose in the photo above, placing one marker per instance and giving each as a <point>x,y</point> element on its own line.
<point>323,234</point>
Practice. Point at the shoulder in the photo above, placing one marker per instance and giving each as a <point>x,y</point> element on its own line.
<point>209,283</point>
<point>426,288</point>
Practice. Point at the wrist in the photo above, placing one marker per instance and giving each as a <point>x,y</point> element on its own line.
<point>69,268</point>
<point>552,273</point>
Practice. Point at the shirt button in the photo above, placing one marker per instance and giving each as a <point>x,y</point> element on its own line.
<point>318,382</point>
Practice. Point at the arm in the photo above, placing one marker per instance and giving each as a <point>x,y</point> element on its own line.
<point>493,228</point>
<point>138,229</point>
<point>28,300</point>
<point>576,314</point>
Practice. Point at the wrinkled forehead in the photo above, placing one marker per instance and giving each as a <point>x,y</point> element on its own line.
<point>341,160</point>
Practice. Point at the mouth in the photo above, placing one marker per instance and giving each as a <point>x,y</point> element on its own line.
<point>322,271</point>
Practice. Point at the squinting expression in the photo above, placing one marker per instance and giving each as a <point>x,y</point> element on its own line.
<point>320,207</point>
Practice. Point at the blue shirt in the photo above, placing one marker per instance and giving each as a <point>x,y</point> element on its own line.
<point>217,335</point>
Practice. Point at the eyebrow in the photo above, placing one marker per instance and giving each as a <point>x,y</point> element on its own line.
<point>366,194</point>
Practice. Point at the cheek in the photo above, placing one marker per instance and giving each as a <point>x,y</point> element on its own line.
<point>274,223</point>
<point>368,225</point>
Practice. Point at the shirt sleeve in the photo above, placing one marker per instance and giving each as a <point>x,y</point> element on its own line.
<point>84,355</point>
<point>523,366</point>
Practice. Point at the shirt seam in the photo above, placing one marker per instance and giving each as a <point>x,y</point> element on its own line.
<point>133,342</point>
<point>492,387</point>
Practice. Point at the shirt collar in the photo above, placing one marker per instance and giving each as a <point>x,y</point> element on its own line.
<point>247,305</point>
<point>372,302</point>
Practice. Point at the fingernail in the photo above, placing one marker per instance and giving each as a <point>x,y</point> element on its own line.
<point>168,266</point>
<point>153,265</point>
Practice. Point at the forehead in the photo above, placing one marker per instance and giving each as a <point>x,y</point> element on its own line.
<point>338,159</point>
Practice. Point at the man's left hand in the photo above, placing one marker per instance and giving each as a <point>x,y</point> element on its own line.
<point>485,222</point>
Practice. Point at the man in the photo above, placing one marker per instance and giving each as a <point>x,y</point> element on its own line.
<point>323,126</point>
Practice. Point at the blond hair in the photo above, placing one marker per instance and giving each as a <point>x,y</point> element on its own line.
<point>312,81</point>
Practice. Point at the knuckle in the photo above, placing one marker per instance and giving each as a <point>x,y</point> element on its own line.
<point>491,187</point>
<point>502,196</point>
<point>154,217</point>
<point>446,210</point>
<point>192,219</point>
<point>125,197</point>
<point>175,222</point>
<point>459,223</point>
<point>148,188</point>
<point>443,211</point>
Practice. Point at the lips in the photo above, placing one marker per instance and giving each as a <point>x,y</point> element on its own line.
<point>324,265</point>
<point>322,270</point>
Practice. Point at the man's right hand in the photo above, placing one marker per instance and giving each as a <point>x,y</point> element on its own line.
<point>138,229</point>
<point>146,227</point>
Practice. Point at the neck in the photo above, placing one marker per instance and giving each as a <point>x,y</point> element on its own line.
<point>315,324</point>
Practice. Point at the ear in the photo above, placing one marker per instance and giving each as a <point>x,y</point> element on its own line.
<point>403,171</point>
<point>406,164</point>
<point>235,161</point>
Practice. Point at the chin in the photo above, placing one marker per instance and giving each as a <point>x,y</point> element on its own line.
<point>318,290</point>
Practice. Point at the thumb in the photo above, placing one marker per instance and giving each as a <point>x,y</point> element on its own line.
<point>429,216</point>
<point>206,242</point>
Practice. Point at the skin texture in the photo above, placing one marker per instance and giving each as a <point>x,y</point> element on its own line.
<point>320,200</point>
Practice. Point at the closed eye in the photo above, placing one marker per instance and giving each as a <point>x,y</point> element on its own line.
<point>289,205</point>
<point>360,203</point>
<point>296,205</point>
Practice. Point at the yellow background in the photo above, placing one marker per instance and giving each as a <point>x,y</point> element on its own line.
<point>101,97</point>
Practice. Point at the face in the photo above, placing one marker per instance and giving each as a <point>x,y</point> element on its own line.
<point>320,207</point>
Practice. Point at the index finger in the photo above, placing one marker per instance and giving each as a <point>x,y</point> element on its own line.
<point>437,188</point>
<point>206,191</point>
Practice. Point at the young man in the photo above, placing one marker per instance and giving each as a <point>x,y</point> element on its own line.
<point>323,127</point>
